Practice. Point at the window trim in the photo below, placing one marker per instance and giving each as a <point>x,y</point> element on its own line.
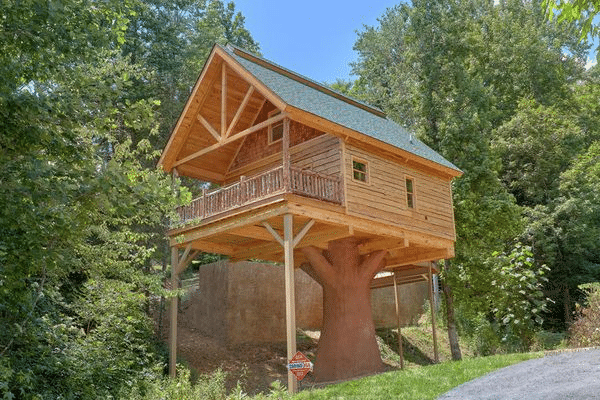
<point>413,194</point>
<point>271,114</point>
<point>365,172</point>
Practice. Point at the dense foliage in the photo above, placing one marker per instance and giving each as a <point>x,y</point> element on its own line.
<point>501,92</point>
<point>85,93</point>
<point>585,331</point>
<point>89,91</point>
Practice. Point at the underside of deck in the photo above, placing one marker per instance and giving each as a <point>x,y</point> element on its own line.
<point>253,232</point>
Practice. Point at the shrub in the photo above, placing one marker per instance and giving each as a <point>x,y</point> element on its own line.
<point>585,331</point>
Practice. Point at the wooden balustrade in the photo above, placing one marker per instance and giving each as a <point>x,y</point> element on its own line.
<point>316,185</point>
<point>250,189</point>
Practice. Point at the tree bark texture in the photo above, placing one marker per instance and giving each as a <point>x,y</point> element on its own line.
<point>348,345</point>
<point>451,321</point>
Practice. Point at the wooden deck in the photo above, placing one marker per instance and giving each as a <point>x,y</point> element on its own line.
<point>249,190</point>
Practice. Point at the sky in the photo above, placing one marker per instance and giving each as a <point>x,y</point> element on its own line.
<point>311,37</point>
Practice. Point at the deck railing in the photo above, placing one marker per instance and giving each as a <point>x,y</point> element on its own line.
<point>252,189</point>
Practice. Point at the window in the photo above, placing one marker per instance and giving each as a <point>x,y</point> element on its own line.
<point>276,129</point>
<point>360,171</point>
<point>410,193</point>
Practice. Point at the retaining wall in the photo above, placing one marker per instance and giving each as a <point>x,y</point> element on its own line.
<point>245,302</point>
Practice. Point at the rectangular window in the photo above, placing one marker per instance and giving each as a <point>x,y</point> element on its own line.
<point>410,193</point>
<point>360,171</point>
<point>276,129</point>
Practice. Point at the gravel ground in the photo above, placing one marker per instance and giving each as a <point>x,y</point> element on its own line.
<point>559,376</point>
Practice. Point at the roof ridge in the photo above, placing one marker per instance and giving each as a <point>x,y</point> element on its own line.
<point>303,79</point>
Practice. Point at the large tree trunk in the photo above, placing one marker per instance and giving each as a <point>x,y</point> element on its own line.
<point>451,321</point>
<point>348,346</point>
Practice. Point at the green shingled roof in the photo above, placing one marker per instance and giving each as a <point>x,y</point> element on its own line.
<point>318,102</point>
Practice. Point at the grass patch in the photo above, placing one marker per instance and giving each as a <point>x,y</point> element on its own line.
<point>416,383</point>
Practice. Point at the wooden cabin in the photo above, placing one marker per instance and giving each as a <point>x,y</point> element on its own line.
<point>299,164</point>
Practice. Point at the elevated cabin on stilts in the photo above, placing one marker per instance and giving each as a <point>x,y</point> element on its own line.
<point>301,169</point>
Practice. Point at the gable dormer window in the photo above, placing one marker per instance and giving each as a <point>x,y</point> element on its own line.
<point>276,129</point>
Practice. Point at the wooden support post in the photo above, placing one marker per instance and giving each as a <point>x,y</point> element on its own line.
<point>290,300</point>
<point>432,308</point>
<point>173,314</point>
<point>400,345</point>
<point>286,155</point>
<point>223,101</point>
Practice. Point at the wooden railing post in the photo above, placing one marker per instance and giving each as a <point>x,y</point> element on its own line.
<point>242,189</point>
<point>203,212</point>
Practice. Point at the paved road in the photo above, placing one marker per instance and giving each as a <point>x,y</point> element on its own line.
<point>567,375</point>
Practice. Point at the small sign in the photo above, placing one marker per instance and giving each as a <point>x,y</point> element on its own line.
<point>300,366</point>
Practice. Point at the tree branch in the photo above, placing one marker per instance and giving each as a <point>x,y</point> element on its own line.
<point>373,263</point>
<point>319,264</point>
<point>310,271</point>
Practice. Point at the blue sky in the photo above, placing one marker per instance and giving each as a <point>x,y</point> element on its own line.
<point>311,37</point>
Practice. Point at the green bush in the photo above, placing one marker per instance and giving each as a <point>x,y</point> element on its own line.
<point>585,331</point>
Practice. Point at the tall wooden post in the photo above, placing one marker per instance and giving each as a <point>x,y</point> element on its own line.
<point>290,299</point>
<point>400,345</point>
<point>173,313</point>
<point>286,155</point>
<point>432,308</point>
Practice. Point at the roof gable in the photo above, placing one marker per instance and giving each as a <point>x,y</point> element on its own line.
<point>300,92</point>
<point>231,91</point>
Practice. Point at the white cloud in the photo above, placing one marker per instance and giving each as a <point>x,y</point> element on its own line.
<point>590,63</point>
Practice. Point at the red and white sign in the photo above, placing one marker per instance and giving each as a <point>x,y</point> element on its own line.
<point>300,366</point>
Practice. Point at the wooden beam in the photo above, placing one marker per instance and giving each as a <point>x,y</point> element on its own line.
<point>210,247</point>
<point>397,302</point>
<point>273,232</point>
<point>185,254</point>
<point>382,244</point>
<point>317,238</point>
<point>173,314</point>
<point>253,232</point>
<point>304,207</point>
<point>177,140</point>
<point>237,151</point>
<point>290,297</point>
<point>432,308</point>
<point>411,256</point>
<point>239,111</point>
<point>248,77</point>
<point>200,173</point>
<point>303,232</point>
<point>237,221</point>
<point>209,128</point>
<point>223,99</point>
<point>320,238</point>
<point>285,151</point>
<point>233,138</point>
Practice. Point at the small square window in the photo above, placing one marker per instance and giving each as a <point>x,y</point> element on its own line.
<point>360,171</point>
<point>410,193</point>
<point>276,129</point>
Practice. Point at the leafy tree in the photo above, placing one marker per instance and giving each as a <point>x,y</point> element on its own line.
<point>565,233</point>
<point>474,79</point>
<point>583,11</point>
<point>536,146</point>
<point>78,209</point>
<point>425,76</point>
<point>173,39</point>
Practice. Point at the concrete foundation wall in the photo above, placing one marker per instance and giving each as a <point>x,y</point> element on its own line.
<point>245,302</point>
